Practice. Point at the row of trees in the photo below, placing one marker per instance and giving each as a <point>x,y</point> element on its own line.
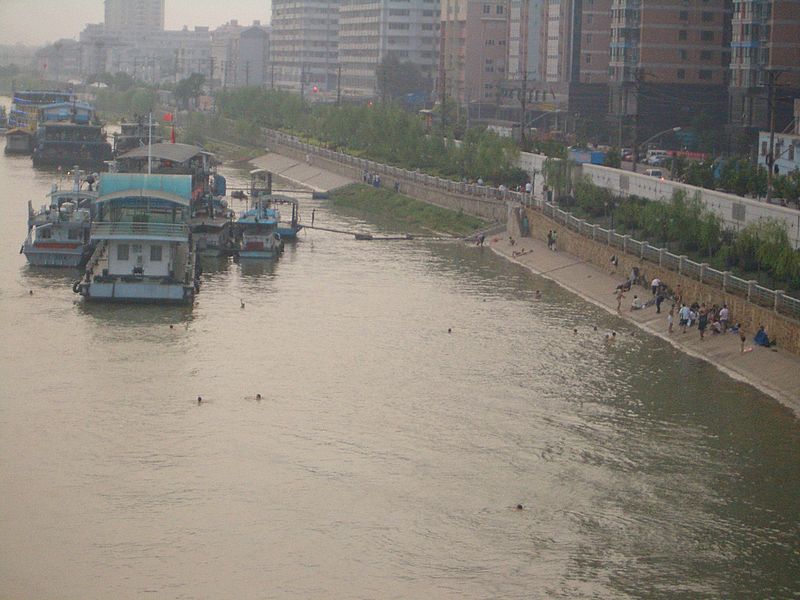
<point>383,132</point>
<point>761,249</point>
<point>737,176</point>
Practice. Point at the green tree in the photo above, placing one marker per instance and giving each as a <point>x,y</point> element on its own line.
<point>396,79</point>
<point>189,88</point>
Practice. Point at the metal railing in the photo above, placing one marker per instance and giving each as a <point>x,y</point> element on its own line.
<point>775,299</point>
<point>131,230</point>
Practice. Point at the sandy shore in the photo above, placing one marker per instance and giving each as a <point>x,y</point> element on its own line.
<point>775,373</point>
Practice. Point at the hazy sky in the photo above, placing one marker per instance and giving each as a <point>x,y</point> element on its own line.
<point>35,22</point>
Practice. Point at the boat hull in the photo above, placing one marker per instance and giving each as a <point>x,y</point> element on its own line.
<point>258,254</point>
<point>55,255</point>
<point>143,292</point>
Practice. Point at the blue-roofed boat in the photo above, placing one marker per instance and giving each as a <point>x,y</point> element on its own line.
<point>261,188</point>
<point>144,247</point>
<point>24,116</point>
<point>59,233</point>
<point>211,218</point>
<point>258,228</point>
<point>70,134</point>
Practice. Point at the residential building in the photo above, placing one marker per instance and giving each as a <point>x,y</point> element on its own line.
<point>787,146</point>
<point>240,55</point>
<point>765,38</point>
<point>573,64</point>
<point>669,64</point>
<point>371,31</point>
<point>134,16</point>
<point>304,44</point>
<point>475,50</point>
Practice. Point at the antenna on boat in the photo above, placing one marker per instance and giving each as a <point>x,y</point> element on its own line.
<point>149,143</point>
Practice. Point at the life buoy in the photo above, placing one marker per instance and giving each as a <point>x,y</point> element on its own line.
<point>76,287</point>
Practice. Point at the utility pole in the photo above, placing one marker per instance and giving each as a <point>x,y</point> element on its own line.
<point>523,61</point>
<point>272,77</point>
<point>443,99</point>
<point>635,145</point>
<point>772,75</point>
<point>302,81</point>
<point>211,73</point>
<point>339,86</point>
<point>246,73</point>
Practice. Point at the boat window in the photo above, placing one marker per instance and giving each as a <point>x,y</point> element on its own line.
<point>137,248</point>
<point>74,234</point>
<point>122,252</point>
<point>44,234</point>
<point>155,253</point>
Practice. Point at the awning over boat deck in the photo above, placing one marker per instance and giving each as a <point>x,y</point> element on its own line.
<point>178,153</point>
<point>173,188</point>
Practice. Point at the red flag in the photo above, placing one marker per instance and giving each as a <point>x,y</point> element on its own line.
<point>172,135</point>
<point>168,117</point>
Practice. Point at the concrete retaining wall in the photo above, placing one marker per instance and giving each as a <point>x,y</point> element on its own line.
<point>785,331</point>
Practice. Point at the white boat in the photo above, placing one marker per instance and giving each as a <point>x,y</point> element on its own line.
<point>144,248</point>
<point>59,233</point>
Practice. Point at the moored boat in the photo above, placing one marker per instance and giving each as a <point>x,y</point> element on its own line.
<point>24,116</point>
<point>59,233</point>
<point>258,228</point>
<point>135,134</point>
<point>261,188</point>
<point>144,248</point>
<point>70,134</point>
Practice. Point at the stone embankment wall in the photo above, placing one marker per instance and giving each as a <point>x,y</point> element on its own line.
<point>751,316</point>
<point>411,184</point>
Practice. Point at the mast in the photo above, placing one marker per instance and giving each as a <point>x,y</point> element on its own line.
<point>149,143</point>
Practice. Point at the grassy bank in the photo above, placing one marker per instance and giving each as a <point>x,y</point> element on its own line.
<point>415,216</point>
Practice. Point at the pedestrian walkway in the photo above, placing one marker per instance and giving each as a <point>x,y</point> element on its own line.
<point>774,373</point>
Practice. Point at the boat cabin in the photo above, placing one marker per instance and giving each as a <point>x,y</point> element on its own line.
<point>169,159</point>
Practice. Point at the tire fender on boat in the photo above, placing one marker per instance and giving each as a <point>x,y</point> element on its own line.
<point>76,287</point>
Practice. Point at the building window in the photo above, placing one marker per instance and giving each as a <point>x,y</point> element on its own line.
<point>588,59</point>
<point>683,15</point>
<point>790,152</point>
<point>681,74</point>
<point>704,74</point>
<point>707,16</point>
<point>707,35</point>
<point>763,148</point>
<point>155,253</point>
<point>706,55</point>
<point>487,9</point>
<point>123,251</point>
<point>682,34</point>
<point>684,54</point>
<point>499,9</point>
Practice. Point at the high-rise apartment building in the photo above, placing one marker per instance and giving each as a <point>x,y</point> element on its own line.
<point>474,63</point>
<point>134,17</point>
<point>669,63</point>
<point>304,44</point>
<point>765,38</point>
<point>524,39</point>
<point>370,31</point>
<point>240,55</point>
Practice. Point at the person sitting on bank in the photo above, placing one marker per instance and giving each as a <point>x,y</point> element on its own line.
<point>762,339</point>
<point>636,304</point>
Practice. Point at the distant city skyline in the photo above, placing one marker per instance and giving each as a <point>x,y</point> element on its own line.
<point>43,21</point>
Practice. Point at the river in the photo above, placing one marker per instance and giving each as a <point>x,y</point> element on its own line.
<point>386,456</point>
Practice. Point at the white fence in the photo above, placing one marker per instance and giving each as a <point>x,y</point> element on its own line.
<point>774,299</point>
<point>735,211</point>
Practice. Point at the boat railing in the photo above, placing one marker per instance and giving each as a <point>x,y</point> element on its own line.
<point>133,230</point>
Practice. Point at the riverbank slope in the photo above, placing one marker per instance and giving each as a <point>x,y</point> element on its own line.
<point>773,371</point>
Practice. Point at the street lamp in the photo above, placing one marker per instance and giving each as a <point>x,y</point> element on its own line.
<point>648,140</point>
